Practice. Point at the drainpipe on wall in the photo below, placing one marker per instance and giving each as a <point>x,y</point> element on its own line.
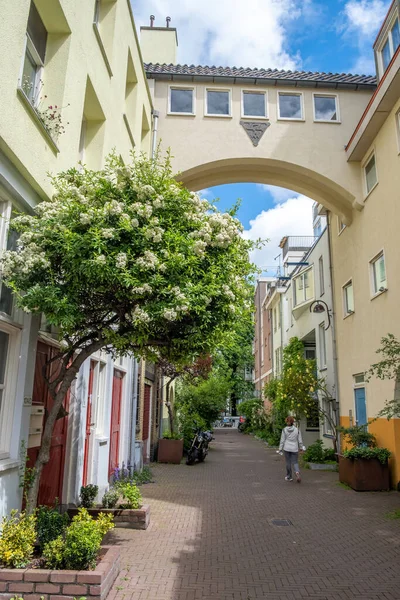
<point>155,114</point>
<point>335,359</point>
<point>132,437</point>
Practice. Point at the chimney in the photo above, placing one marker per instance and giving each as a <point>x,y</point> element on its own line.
<point>159,44</point>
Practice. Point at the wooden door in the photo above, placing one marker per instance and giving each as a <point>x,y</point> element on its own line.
<point>88,424</point>
<point>115,421</point>
<point>51,481</point>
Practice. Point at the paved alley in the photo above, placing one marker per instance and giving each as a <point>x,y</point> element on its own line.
<point>212,534</point>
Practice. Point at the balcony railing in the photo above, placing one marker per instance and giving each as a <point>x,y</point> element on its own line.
<point>296,243</point>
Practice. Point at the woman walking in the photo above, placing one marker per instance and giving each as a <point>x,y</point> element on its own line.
<point>291,443</point>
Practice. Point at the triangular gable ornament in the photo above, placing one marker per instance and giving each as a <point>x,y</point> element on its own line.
<point>255,130</point>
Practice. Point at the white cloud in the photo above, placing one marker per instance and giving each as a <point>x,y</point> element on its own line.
<point>228,32</point>
<point>293,217</point>
<point>361,20</point>
<point>278,194</point>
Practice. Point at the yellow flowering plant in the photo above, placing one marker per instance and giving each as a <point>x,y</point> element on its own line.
<point>17,538</point>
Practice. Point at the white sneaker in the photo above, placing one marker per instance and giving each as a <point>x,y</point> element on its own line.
<point>287,478</point>
<point>298,477</point>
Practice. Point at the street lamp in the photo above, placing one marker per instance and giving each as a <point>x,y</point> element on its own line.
<point>318,307</point>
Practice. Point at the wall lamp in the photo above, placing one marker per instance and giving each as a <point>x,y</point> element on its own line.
<point>318,307</point>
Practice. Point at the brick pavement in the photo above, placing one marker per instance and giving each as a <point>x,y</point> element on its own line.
<point>211,535</point>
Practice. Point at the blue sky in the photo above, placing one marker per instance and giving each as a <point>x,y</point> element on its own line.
<point>310,35</point>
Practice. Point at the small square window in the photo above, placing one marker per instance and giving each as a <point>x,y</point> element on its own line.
<point>181,101</point>
<point>348,299</point>
<point>254,104</point>
<point>290,106</point>
<point>359,378</point>
<point>218,103</point>
<point>371,177</point>
<point>378,274</point>
<point>325,108</point>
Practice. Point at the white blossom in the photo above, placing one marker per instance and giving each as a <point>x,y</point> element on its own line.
<point>85,218</point>
<point>170,314</point>
<point>148,260</point>
<point>140,316</point>
<point>134,223</point>
<point>100,259</point>
<point>121,260</point>
<point>108,233</point>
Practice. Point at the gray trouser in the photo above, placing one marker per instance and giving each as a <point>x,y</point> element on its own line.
<point>292,461</point>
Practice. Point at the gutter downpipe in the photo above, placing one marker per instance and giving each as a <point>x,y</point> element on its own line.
<point>335,359</point>
<point>132,437</point>
<point>156,115</point>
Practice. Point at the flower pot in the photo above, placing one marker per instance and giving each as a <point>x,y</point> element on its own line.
<point>170,451</point>
<point>363,474</point>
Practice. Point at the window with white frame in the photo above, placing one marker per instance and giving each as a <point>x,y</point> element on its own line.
<point>326,108</point>
<point>391,44</point>
<point>290,106</point>
<point>371,176</point>
<point>34,57</point>
<point>378,274</point>
<point>181,101</point>
<point>8,377</point>
<point>303,285</point>
<point>348,299</point>
<point>321,276</point>
<point>8,241</point>
<point>322,345</point>
<point>218,103</point>
<point>254,104</point>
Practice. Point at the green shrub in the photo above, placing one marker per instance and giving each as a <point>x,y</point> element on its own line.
<point>131,494</point>
<point>53,553</point>
<point>316,453</point>
<point>168,435</point>
<point>145,475</point>
<point>50,524</point>
<point>79,548</point>
<point>188,423</point>
<point>88,494</point>
<point>110,498</point>
<point>17,539</point>
<point>382,454</point>
<point>329,454</point>
<point>359,436</point>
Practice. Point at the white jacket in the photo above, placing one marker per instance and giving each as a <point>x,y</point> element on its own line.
<point>291,440</point>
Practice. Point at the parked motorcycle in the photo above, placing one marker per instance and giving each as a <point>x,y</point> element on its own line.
<point>199,448</point>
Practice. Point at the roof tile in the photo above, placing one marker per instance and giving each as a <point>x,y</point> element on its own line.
<point>267,74</point>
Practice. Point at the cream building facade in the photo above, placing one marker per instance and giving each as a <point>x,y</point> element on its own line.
<point>303,131</point>
<point>73,88</point>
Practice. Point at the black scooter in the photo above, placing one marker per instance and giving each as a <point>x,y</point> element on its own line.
<point>199,448</point>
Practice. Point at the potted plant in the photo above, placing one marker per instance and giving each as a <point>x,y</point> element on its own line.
<point>170,448</point>
<point>364,466</point>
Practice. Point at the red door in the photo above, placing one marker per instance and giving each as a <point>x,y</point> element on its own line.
<point>115,420</point>
<point>146,419</point>
<point>88,424</point>
<point>51,481</point>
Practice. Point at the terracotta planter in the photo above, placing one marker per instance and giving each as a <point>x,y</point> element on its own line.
<point>129,518</point>
<point>47,583</point>
<point>364,475</point>
<point>170,451</point>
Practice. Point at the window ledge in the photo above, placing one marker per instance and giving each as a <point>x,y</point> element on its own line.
<point>370,191</point>
<point>180,114</point>
<point>347,315</point>
<point>219,116</point>
<point>102,49</point>
<point>249,118</point>
<point>38,121</point>
<point>7,464</point>
<point>129,130</point>
<point>290,119</point>
<point>331,122</point>
<point>378,294</point>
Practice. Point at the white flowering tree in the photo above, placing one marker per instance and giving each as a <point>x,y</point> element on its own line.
<point>127,260</point>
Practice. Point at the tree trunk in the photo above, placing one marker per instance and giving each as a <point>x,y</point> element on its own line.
<point>69,374</point>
